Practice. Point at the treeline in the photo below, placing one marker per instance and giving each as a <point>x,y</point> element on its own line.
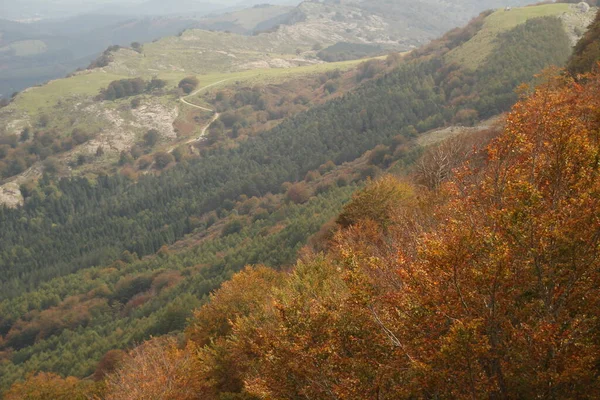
<point>130,87</point>
<point>75,223</point>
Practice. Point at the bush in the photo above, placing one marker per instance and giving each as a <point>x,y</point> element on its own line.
<point>298,193</point>
<point>232,227</point>
<point>151,137</point>
<point>156,83</point>
<point>123,88</point>
<point>328,166</point>
<point>162,159</point>
<point>144,162</point>
<point>188,84</point>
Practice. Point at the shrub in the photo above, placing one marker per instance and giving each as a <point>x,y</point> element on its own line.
<point>298,193</point>
<point>151,137</point>
<point>162,159</point>
<point>188,84</point>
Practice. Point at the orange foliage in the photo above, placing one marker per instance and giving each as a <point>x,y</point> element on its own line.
<point>158,369</point>
<point>245,293</point>
<point>484,288</point>
<point>44,386</point>
<point>496,294</point>
<point>109,363</point>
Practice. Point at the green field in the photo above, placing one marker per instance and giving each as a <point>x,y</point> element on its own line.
<point>475,51</point>
<point>40,99</point>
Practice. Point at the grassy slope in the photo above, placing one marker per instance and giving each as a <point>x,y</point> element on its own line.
<point>473,53</point>
<point>40,99</point>
<point>196,52</point>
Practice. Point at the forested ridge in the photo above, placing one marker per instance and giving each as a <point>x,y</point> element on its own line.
<point>73,224</point>
<point>78,285</point>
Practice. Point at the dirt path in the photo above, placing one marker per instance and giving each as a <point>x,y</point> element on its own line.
<point>184,101</point>
<point>213,119</point>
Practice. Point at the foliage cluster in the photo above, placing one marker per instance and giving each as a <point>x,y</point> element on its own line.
<point>130,87</point>
<point>19,152</point>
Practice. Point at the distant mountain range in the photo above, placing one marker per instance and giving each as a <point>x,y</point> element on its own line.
<point>58,38</point>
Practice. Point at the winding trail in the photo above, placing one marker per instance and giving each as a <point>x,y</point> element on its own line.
<point>184,101</point>
<point>213,119</point>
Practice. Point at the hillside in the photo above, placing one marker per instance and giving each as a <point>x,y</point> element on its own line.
<point>473,275</point>
<point>586,54</point>
<point>100,262</point>
<point>482,288</point>
<point>115,127</point>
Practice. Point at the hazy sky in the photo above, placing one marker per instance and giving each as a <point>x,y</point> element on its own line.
<point>32,9</point>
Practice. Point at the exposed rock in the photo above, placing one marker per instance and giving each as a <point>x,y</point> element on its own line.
<point>10,195</point>
<point>577,21</point>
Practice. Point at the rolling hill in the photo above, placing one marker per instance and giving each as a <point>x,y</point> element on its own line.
<point>115,127</point>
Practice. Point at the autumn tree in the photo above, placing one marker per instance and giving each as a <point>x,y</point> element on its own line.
<point>109,363</point>
<point>377,202</point>
<point>156,369</point>
<point>493,296</point>
<point>43,386</point>
<point>298,193</point>
<point>223,367</point>
<point>437,164</point>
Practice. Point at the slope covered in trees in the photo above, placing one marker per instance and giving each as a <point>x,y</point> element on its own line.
<point>71,224</point>
<point>485,287</point>
<point>68,324</point>
<point>52,112</point>
<point>60,321</point>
